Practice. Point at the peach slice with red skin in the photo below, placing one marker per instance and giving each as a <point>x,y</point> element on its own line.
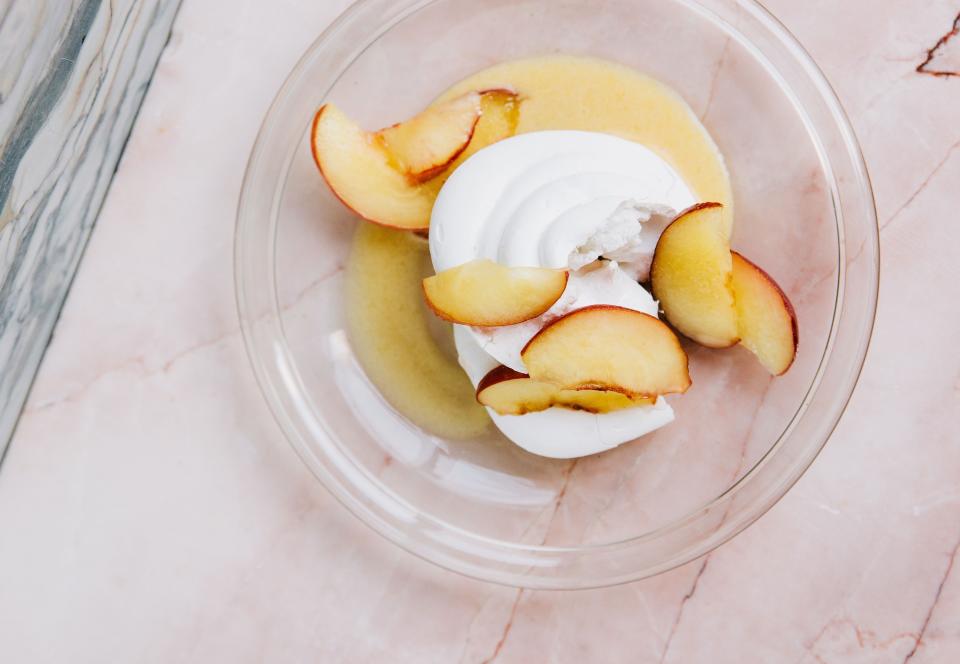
<point>425,145</point>
<point>359,172</point>
<point>510,392</point>
<point>487,294</point>
<point>599,401</point>
<point>393,177</point>
<point>691,277</point>
<point>499,115</point>
<point>606,347</point>
<point>766,318</point>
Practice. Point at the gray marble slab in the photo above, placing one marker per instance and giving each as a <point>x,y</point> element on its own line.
<point>72,76</point>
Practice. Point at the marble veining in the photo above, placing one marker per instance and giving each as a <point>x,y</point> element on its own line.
<point>159,515</point>
<point>72,77</point>
<point>943,59</point>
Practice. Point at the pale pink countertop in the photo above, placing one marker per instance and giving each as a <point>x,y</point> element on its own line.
<point>151,511</point>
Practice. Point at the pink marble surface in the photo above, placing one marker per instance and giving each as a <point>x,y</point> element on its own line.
<point>150,511</point>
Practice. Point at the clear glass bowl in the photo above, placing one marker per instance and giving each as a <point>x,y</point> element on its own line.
<point>804,211</point>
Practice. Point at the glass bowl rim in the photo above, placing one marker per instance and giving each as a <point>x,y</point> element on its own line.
<point>432,548</point>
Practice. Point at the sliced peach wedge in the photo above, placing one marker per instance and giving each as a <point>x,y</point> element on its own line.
<point>429,142</point>
<point>499,116</point>
<point>691,276</point>
<point>488,294</point>
<point>360,174</point>
<point>767,322</point>
<point>605,347</point>
<point>599,401</point>
<point>510,392</point>
<point>392,177</point>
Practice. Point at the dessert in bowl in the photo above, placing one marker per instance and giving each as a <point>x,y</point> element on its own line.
<point>541,237</point>
<point>544,185</point>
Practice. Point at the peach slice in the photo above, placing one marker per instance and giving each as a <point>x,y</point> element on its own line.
<point>487,294</point>
<point>360,174</point>
<point>598,401</point>
<point>510,392</point>
<point>767,322</point>
<point>691,276</point>
<point>500,114</point>
<point>396,187</point>
<point>428,143</point>
<point>605,347</point>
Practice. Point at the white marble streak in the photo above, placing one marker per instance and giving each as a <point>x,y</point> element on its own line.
<point>72,76</point>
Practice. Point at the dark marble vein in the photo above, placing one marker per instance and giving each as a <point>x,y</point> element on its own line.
<point>44,96</point>
<point>58,154</point>
<point>506,629</point>
<point>925,66</point>
<point>934,603</point>
<point>683,605</point>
